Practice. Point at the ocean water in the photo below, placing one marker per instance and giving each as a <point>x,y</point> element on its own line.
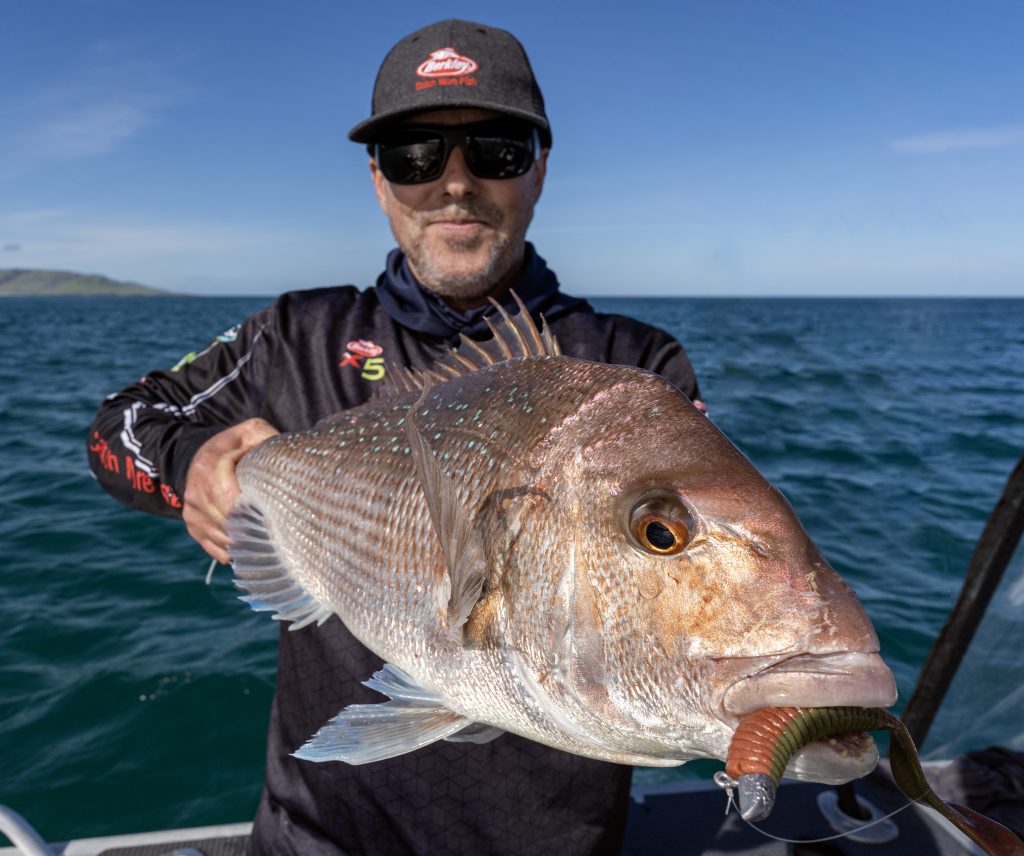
<point>133,696</point>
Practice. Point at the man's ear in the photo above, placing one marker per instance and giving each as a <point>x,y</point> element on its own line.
<point>378,183</point>
<point>540,170</point>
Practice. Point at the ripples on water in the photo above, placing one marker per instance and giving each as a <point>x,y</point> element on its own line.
<point>135,697</point>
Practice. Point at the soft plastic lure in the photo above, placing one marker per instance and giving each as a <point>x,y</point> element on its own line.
<point>766,739</point>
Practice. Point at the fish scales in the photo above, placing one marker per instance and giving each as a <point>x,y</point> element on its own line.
<point>489,537</point>
<point>372,586</point>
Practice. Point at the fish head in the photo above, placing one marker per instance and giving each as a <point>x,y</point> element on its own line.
<point>693,595</point>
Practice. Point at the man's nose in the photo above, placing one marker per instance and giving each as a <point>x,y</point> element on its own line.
<point>457,180</point>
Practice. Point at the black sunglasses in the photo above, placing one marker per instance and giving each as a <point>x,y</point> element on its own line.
<point>416,154</point>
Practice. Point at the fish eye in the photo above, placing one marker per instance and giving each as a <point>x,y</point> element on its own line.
<point>659,537</point>
<point>661,523</point>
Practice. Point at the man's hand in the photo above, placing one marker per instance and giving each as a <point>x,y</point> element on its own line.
<point>211,487</point>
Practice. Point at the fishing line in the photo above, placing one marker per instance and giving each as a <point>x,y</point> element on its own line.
<point>724,781</point>
<point>209,573</point>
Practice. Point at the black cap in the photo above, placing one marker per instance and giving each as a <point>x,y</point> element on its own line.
<point>454,64</point>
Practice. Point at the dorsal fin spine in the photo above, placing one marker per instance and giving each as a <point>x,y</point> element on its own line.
<point>531,328</point>
<point>447,367</point>
<point>499,339</point>
<point>512,327</point>
<point>551,345</point>
<point>465,362</point>
<point>484,355</point>
<point>470,356</point>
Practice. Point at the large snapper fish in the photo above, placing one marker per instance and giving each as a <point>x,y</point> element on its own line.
<point>563,549</point>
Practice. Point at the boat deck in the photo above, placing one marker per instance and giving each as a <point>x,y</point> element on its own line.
<point>679,823</point>
<point>665,820</point>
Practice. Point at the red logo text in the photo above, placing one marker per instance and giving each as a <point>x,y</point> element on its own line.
<point>447,62</point>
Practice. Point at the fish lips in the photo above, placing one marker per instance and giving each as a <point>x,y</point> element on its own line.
<point>815,680</point>
<point>855,679</point>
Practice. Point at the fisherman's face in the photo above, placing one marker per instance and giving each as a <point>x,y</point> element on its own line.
<point>464,237</point>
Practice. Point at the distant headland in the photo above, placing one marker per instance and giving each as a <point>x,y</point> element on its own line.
<point>21,282</point>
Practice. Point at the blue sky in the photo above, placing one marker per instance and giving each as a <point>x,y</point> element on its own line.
<point>719,147</point>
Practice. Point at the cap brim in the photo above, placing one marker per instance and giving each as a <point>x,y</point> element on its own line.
<point>368,130</point>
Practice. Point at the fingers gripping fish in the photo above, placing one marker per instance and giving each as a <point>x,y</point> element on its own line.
<point>566,550</point>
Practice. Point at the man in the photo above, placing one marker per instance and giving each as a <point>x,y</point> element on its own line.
<point>459,144</point>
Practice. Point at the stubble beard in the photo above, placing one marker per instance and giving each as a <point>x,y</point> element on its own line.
<point>433,268</point>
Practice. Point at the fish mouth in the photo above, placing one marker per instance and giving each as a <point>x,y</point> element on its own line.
<point>853,679</point>
<point>849,678</point>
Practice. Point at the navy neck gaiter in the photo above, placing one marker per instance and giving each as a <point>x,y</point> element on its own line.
<point>413,306</point>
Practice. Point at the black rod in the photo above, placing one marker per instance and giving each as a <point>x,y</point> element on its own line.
<point>992,554</point>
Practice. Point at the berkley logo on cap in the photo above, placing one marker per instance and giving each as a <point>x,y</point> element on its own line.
<point>447,62</point>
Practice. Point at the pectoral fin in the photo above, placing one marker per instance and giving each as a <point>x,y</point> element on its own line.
<point>463,551</point>
<point>259,570</point>
<point>361,733</point>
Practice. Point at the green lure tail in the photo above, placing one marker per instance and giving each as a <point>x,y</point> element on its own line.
<point>766,739</point>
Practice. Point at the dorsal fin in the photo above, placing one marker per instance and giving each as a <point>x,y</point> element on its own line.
<point>514,337</point>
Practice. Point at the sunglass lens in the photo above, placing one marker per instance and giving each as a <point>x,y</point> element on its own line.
<point>500,155</point>
<point>411,158</point>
